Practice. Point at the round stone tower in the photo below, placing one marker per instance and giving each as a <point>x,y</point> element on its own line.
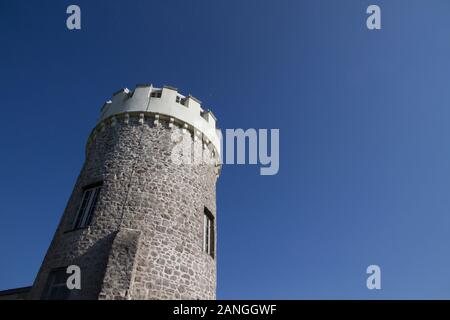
<point>141,220</point>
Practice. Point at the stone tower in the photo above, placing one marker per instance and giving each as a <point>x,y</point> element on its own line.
<point>140,224</point>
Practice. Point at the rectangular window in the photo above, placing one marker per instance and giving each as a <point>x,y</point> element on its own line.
<point>56,287</point>
<point>208,232</point>
<point>156,94</point>
<point>87,207</point>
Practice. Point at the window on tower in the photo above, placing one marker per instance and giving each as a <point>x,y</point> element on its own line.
<point>208,232</point>
<point>56,287</point>
<point>156,94</point>
<point>180,100</point>
<point>87,206</point>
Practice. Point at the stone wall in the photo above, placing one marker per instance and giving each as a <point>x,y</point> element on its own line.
<point>15,294</point>
<point>145,238</point>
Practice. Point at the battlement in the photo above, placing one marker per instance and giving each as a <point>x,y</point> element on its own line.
<point>166,101</point>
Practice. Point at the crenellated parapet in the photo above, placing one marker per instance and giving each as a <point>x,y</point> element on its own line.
<point>162,104</point>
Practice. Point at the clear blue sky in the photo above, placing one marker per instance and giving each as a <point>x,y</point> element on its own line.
<point>363,117</point>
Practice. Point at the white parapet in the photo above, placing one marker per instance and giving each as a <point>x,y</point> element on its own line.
<point>166,101</point>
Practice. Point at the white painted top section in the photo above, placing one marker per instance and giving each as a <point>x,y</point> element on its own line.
<point>165,101</point>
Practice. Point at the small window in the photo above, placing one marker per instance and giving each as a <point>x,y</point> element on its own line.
<point>156,94</point>
<point>87,207</point>
<point>180,100</point>
<point>56,287</point>
<point>208,232</point>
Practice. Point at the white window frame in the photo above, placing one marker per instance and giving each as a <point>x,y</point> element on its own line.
<point>87,207</point>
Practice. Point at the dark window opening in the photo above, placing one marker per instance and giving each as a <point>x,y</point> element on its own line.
<point>156,94</point>
<point>56,287</point>
<point>208,232</point>
<point>87,207</point>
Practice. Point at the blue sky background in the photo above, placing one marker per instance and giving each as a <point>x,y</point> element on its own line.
<point>363,117</point>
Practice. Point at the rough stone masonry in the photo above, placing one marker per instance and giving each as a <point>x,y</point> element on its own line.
<point>145,239</point>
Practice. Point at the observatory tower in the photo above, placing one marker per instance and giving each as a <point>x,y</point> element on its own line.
<point>140,223</point>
